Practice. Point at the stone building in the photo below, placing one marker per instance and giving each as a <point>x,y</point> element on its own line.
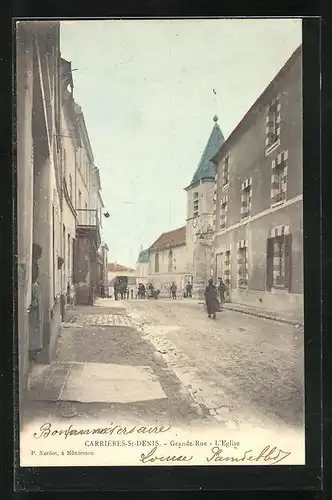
<point>200,207</point>
<point>257,246</point>
<point>168,261</point>
<point>39,195</point>
<point>59,204</point>
<point>82,216</point>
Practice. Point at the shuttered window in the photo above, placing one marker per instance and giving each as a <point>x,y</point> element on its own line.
<point>272,135</point>
<point>278,262</point>
<point>76,275</point>
<point>269,263</point>
<point>288,262</point>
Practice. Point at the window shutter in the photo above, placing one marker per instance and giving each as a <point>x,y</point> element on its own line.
<point>269,263</point>
<point>288,261</point>
<point>75,261</point>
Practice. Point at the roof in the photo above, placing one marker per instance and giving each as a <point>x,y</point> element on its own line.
<point>246,118</point>
<point>206,168</point>
<point>174,238</point>
<point>143,256</point>
<point>113,267</point>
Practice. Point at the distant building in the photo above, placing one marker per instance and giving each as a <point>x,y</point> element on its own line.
<point>142,267</point>
<point>258,224</point>
<point>168,261</point>
<point>116,270</point>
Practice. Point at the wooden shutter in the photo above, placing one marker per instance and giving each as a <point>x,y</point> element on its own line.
<point>288,262</point>
<point>269,263</point>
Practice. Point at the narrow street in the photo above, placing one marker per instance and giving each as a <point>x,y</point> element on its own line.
<point>165,361</point>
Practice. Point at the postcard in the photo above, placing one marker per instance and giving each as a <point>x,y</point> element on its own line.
<point>160,242</point>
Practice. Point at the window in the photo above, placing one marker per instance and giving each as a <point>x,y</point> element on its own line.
<point>170,261</point>
<point>68,256</point>
<point>227,267</point>
<point>195,207</point>
<point>219,265</point>
<point>70,187</point>
<point>223,212</point>
<point>272,132</point>
<point>246,198</point>
<point>214,204</point>
<point>225,172</point>
<point>156,263</point>
<point>279,178</point>
<point>279,258</point>
<point>242,264</point>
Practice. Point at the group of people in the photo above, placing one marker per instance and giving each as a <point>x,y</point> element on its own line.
<point>211,297</point>
<point>214,295</point>
<point>121,290</point>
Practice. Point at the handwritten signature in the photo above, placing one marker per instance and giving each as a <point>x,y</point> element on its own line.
<point>270,454</point>
<point>151,457</point>
<point>47,430</point>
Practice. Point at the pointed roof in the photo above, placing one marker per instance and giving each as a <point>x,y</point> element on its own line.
<point>206,168</point>
<point>143,256</point>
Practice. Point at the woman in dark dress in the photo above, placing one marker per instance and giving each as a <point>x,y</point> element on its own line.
<point>211,299</point>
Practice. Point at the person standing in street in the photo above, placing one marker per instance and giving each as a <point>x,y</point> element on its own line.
<point>211,299</point>
<point>189,288</point>
<point>221,289</point>
<point>173,290</point>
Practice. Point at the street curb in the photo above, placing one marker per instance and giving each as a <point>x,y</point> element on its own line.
<point>260,314</point>
<point>263,315</point>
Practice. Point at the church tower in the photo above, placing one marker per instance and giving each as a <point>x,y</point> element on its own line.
<point>199,225</point>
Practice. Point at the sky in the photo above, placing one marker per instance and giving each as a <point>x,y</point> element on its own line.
<point>146,91</point>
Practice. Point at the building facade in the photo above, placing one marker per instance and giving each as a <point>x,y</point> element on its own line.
<point>58,194</point>
<point>168,262</point>
<point>82,221</point>
<point>258,222</point>
<point>39,196</point>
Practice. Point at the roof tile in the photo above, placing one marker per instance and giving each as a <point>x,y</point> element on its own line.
<point>174,238</point>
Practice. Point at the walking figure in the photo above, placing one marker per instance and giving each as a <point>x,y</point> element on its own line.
<point>173,290</point>
<point>211,300</point>
<point>222,290</point>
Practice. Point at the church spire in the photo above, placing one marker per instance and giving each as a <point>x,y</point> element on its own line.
<point>206,169</point>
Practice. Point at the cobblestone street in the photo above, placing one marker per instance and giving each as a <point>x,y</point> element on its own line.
<point>239,370</point>
<point>246,367</point>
